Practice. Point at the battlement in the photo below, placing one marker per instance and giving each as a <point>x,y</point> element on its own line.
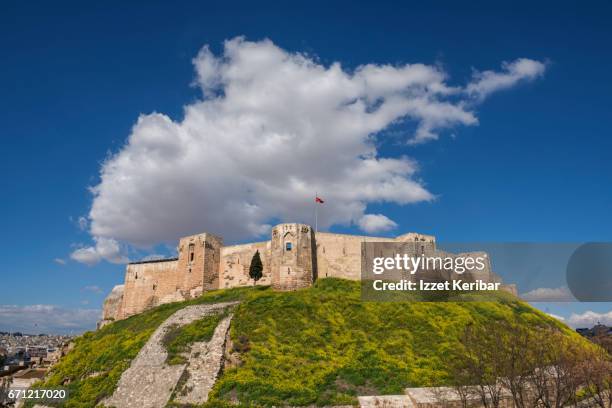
<point>293,258</point>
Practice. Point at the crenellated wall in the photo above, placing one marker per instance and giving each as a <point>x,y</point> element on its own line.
<point>294,258</point>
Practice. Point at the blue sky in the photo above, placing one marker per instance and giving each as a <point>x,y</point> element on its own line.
<point>74,80</point>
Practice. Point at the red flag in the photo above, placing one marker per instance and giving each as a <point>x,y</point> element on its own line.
<point>319,200</point>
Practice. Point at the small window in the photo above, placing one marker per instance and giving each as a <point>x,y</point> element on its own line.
<point>288,246</point>
<point>154,286</point>
<point>191,252</point>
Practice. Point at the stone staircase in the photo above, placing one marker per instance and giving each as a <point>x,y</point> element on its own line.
<point>205,363</point>
<point>149,381</point>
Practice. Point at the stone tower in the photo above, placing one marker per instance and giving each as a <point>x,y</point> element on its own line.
<point>198,262</point>
<point>292,256</point>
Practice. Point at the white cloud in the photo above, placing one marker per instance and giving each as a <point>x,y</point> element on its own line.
<point>272,128</point>
<point>60,261</point>
<point>83,223</point>
<point>590,318</point>
<point>561,294</point>
<point>104,249</point>
<point>486,82</point>
<point>34,319</point>
<point>561,318</point>
<point>87,255</point>
<point>93,288</point>
<point>376,223</point>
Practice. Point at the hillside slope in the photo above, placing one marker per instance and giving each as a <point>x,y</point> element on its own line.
<point>320,345</point>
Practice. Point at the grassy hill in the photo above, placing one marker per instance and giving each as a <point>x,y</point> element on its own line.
<point>320,345</point>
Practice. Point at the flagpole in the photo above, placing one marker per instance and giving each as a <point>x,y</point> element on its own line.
<point>316,210</point>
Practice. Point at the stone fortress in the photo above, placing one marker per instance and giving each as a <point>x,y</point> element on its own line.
<point>293,258</point>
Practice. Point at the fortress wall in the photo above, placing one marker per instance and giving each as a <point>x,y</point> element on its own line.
<point>198,263</point>
<point>149,284</point>
<point>339,255</point>
<point>486,274</point>
<point>288,260</point>
<point>416,237</point>
<point>112,304</point>
<point>212,260</point>
<point>292,253</point>
<point>235,262</point>
<point>191,270</point>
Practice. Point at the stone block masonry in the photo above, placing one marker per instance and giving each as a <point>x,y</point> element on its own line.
<point>235,262</point>
<point>293,258</point>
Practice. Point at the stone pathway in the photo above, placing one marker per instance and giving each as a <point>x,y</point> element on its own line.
<point>386,401</point>
<point>205,363</point>
<point>149,381</point>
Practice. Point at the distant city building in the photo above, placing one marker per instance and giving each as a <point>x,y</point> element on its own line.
<point>20,351</point>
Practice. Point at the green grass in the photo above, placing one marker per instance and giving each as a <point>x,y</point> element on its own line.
<point>98,359</point>
<point>322,345</point>
<point>179,338</point>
